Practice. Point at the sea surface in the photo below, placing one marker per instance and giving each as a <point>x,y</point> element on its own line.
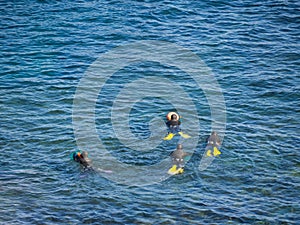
<point>250,48</point>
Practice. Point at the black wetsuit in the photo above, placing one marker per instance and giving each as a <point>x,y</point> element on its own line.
<point>79,158</point>
<point>213,140</point>
<point>178,157</point>
<point>173,125</point>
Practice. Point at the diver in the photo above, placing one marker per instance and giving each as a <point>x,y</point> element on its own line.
<point>214,139</point>
<point>178,157</point>
<point>213,144</point>
<point>173,123</point>
<point>82,158</point>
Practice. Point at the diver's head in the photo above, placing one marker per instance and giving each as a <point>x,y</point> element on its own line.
<point>214,133</point>
<point>174,117</point>
<point>84,154</point>
<point>179,146</point>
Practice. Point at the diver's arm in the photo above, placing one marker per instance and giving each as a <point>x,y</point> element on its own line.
<point>168,123</point>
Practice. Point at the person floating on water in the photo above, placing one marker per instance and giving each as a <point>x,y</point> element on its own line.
<point>173,123</point>
<point>213,145</point>
<point>82,158</point>
<point>178,157</point>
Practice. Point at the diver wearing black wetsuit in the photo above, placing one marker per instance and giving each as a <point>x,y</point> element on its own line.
<point>178,156</point>
<point>214,139</point>
<point>83,159</point>
<point>173,124</point>
<point>213,145</point>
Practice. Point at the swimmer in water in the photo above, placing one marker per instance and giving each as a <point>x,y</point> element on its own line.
<point>178,156</point>
<point>82,158</point>
<point>178,160</point>
<point>213,144</point>
<point>173,123</point>
<point>214,139</point>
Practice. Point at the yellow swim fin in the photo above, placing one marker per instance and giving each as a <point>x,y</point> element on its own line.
<point>180,170</point>
<point>169,136</point>
<point>216,151</point>
<point>172,170</point>
<point>184,135</point>
<point>208,153</point>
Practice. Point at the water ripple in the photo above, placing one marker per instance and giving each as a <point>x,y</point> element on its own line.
<point>253,51</point>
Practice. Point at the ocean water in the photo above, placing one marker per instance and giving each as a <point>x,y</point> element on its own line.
<point>48,47</point>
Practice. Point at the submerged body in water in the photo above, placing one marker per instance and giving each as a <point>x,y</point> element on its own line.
<point>213,145</point>
<point>173,123</point>
<point>85,162</point>
<point>178,160</point>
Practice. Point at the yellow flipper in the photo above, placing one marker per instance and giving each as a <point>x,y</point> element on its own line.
<point>216,151</point>
<point>172,170</point>
<point>208,153</point>
<point>184,135</point>
<point>180,170</point>
<point>169,136</point>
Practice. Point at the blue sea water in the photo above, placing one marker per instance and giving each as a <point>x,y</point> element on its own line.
<point>252,49</point>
